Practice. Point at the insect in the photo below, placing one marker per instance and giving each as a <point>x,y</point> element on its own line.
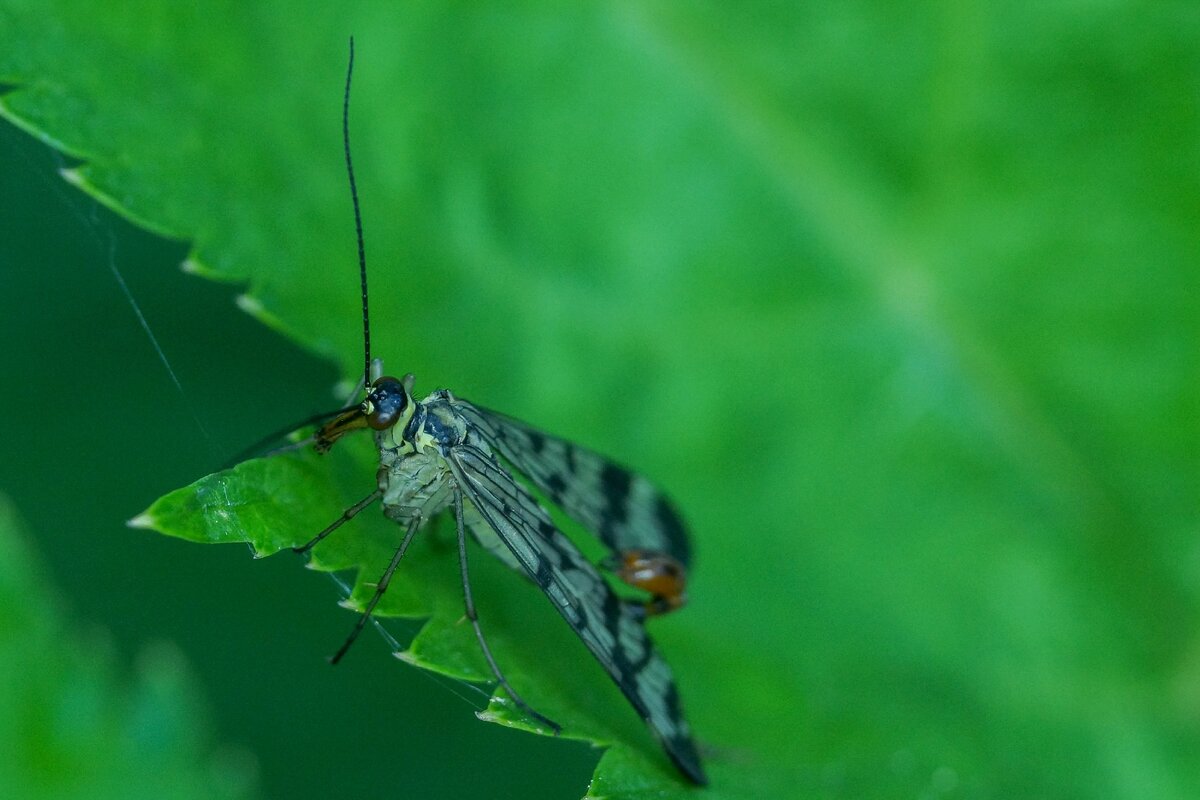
<point>442,453</point>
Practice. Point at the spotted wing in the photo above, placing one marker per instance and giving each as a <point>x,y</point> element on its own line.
<point>610,628</point>
<point>626,511</point>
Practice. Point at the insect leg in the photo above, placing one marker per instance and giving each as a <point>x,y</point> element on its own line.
<point>346,516</point>
<point>380,588</point>
<point>474,618</point>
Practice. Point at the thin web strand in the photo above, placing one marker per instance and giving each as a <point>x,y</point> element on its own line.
<point>162,355</point>
<point>93,226</point>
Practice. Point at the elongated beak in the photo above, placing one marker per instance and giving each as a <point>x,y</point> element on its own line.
<point>338,427</point>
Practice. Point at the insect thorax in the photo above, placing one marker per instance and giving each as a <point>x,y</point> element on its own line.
<point>413,475</point>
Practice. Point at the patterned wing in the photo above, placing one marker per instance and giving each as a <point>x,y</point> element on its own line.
<point>611,629</point>
<point>626,511</point>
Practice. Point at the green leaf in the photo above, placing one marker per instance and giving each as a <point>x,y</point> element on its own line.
<point>72,725</point>
<point>898,302</point>
<point>270,503</point>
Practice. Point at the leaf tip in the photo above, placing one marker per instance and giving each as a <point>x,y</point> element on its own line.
<point>73,176</point>
<point>255,308</point>
<point>250,305</point>
<point>144,521</point>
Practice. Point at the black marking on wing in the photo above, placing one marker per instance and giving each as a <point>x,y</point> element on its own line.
<point>610,629</point>
<point>622,508</point>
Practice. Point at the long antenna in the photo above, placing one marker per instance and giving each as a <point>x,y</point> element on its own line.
<point>358,228</point>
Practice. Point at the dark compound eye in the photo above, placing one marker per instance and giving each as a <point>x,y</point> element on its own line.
<point>386,403</point>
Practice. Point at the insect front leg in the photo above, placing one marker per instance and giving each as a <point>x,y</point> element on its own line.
<point>474,618</point>
<point>346,516</point>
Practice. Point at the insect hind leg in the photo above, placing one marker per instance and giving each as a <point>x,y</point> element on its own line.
<point>474,618</point>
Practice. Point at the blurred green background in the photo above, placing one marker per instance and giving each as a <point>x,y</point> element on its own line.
<point>900,302</point>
